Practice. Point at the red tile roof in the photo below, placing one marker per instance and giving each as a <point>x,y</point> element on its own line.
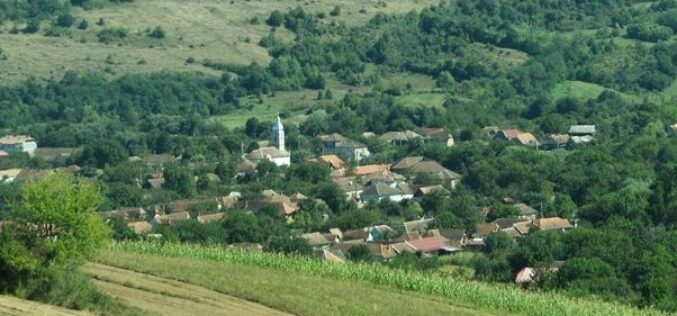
<point>429,244</point>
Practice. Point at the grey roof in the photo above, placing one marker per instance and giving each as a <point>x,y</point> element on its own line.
<point>262,153</point>
<point>349,143</point>
<point>382,190</point>
<point>582,129</point>
<point>436,169</point>
<point>407,162</point>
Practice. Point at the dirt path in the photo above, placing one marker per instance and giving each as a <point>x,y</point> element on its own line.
<point>168,297</point>
<point>15,306</point>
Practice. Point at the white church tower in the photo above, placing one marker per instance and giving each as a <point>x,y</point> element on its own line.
<point>277,137</point>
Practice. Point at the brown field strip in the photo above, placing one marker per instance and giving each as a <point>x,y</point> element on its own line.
<point>15,306</point>
<point>161,296</point>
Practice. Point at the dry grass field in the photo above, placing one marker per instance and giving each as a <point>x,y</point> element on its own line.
<point>160,296</point>
<point>217,30</point>
<point>12,306</point>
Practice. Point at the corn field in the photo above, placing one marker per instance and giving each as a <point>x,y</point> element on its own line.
<point>463,293</point>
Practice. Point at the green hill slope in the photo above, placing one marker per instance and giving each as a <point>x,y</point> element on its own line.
<point>305,286</point>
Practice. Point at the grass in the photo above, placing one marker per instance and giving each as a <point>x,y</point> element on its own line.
<point>11,306</point>
<point>218,30</point>
<point>506,299</point>
<point>161,296</point>
<point>295,292</point>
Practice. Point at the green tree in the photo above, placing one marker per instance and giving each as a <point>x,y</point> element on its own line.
<point>56,225</point>
<point>359,253</point>
<point>275,18</point>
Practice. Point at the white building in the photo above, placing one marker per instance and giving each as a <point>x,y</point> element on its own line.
<point>276,153</point>
<point>18,143</point>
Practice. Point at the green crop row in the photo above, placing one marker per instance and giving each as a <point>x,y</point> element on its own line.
<point>483,296</point>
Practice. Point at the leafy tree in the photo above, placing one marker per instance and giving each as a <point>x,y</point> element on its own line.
<point>241,227</point>
<point>275,18</point>
<point>290,246</point>
<point>65,20</point>
<point>55,226</point>
<point>179,179</point>
<point>359,253</point>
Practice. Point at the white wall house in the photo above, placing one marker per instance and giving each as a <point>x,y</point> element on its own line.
<point>18,143</point>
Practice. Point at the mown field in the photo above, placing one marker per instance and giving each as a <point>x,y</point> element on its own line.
<point>12,306</point>
<point>159,296</point>
<point>303,286</point>
<point>294,292</point>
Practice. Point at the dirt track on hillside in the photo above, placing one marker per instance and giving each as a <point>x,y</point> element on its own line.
<point>161,296</point>
<point>15,306</point>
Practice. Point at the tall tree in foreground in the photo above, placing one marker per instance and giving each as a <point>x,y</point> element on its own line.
<point>54,229</point>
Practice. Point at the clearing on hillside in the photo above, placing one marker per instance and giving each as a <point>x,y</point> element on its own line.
<point>161,296</point>
<point>222,31</point>
<point>15,306</point>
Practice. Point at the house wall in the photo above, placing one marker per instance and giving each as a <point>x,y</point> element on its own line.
<point>27,147</point>
<point>282,161</point>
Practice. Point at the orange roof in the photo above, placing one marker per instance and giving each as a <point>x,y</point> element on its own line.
<point>367,169</point>
<point>333,160</point>
<point>552,223</point>
<point>429,244</point>
<point>526,138</point>
<point>511,133</point>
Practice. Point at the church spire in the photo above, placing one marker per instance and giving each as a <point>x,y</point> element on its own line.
<point>277,137</point>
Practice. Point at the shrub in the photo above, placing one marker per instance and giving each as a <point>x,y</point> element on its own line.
<point>157,32</point>
<point>110,35</point>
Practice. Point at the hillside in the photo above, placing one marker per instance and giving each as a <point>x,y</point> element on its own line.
<point>217,30</point>
<point>12,306</point>
<point>305,286</point>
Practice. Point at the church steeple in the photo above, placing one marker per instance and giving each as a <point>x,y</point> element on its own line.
<point>277,137</point>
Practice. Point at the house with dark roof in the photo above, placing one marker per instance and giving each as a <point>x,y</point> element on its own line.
<point>338,144</point>
<point>413,166</point>
<point>395,191</point>
<point>436,135</point>
<point>400,138</point>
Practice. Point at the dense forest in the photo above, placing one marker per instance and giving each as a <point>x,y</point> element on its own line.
<point>622,190</point>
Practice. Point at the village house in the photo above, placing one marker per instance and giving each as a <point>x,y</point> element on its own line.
<point>400,138</point>
<point>276,153</point>
<point>517,137</point>
<point>156,162</point>
<point>316,239</point>
<point>18,144</point>
<point>172,219</point>
<point>330,255</point>
<point>3,154</point>
<point>126,213</point>
<point>555,141</point>
<point>553,223</point>
<point>427,190</point>
<point>342,146</point>
<point>395,192</point>
<point>56,154</point>
<point>428,245</point>
<point>8,176</point>
<point>208,218</point>
<point>332,161</point>
<point>140,227</point>
<point>582,130</point>
<point>436,135</point>
<point>490,131</point>
<point>350,187</point>
<point>455,239</point>
<point>413,166</point>
<point>279,201</point>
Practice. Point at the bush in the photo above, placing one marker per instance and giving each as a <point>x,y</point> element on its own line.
<point>65,20</point>
<point>83,25</point>
<point>649,32</point>
<point>157,32</point>
<point>275,19</point>
<point>110,35</point>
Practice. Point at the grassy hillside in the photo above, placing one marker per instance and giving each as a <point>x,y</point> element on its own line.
<point>295,292</point>
<point>12,306</point>
<point>216,30</point>
<point>182,262</point>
